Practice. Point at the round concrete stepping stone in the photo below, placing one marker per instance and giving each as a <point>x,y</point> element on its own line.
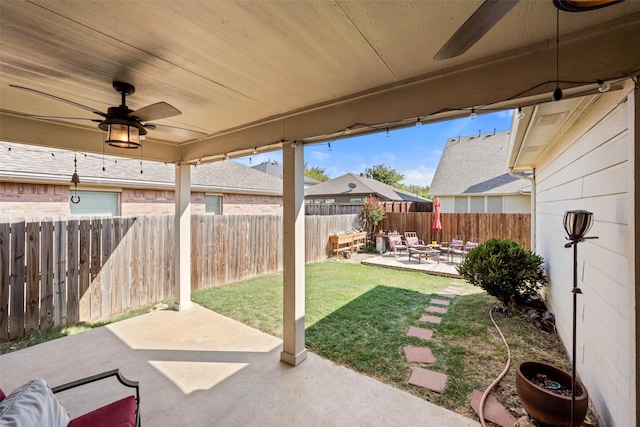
<point>423,333</point>
<point>439,301</point>
<point>436,309</point>
<point>418,354</point>
<point>431,319</point>
<point>493,410</point>
<point>428,379</point>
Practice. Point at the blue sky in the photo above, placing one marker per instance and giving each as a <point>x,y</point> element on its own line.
<point>413,152</point>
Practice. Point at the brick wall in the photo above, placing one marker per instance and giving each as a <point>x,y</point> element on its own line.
<point>43,200</point>
<point>33,200</point>
<point>155,202</point>
<point>245,204</point>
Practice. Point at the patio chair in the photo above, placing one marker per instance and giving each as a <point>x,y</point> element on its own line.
<point>412,241</point>
<point>448,248</point>
<point>470,245</point>
<point>396,244</point>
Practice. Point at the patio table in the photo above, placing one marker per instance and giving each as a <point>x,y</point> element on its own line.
<point>426,252</point>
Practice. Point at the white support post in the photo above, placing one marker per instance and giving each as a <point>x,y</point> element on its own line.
<point>293,348</point>
<point>183,238</point>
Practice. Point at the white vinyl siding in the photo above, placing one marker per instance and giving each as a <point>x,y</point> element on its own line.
<point>494,204</point>
<point>213,204</point>
<point>461,205</point>
<point>589,168</point>
<point>102,203</point>
<point>476,204</point>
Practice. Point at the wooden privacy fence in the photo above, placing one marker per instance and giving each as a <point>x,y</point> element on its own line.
<point>349,208</point>
<point>61,272</point>
<point>66,271</point>
<point>516,227</point>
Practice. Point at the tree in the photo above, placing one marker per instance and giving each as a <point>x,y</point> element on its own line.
<point>418,190</point>
<point>315,172</point>
<point>372,213</point>
<point>385,174</point>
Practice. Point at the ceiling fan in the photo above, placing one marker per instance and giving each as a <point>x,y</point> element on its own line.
<point>124,127</point>
<point>491,12</point>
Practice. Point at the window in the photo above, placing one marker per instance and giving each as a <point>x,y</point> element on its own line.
<point>477,204</point>
<point>329,200</point>
<point>95,203</point>
<point>494,204</point>
<point>357,200</point>
<point>460,204</point>
<point>213,204</point>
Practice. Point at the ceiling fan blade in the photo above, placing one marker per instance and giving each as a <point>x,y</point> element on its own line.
<point>62,118</point>
<point>157,111</point>
<point>187,133</point>
<point>57,98</point>
<point>478,24</point>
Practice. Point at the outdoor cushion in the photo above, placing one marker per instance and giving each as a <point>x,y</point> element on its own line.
<point>33,404</point>
<point>121,413</point>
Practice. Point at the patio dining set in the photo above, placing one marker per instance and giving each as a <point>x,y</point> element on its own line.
<point>417,249</point>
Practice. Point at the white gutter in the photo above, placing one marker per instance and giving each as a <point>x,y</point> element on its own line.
<point>531,178</point>
<point>126,183</point>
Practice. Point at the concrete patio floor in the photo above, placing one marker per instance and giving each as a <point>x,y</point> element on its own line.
<point>199,368</point>
<point>402,262</point>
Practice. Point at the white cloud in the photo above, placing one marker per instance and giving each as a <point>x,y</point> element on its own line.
<point>421,176</point>
<point>319,156</point>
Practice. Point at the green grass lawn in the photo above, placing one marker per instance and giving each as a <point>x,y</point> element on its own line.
<point>358,316</point>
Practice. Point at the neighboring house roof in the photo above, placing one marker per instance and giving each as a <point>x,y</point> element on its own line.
<point>359,185</point>
<point>25,163</point>
<point>276,170</point>
<point>474,165</point>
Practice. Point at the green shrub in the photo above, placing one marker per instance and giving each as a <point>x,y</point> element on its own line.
<point>505,270</point>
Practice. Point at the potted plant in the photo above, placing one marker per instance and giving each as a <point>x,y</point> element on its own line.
<point>545,393</point>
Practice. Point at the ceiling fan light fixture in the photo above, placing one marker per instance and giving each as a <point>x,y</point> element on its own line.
<point>123,136</point>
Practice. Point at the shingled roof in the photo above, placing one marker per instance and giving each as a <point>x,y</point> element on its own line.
<point>476,164</point>
<point>360,185</point>
<point>24,163</point>
<point>276,170</point>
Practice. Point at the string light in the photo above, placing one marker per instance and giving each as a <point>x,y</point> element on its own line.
<point>387,132</point>
<point>473,114</point>
<point>347,130</point>
<point>419,122</point>
<point>226,156</point>
<point>520,114</point>
<point>255,150</point>
<point>329,146</point>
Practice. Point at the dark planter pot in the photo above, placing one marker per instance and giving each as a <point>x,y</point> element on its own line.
<point>547,408</point>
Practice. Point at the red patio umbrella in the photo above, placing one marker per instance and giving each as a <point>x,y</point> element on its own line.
<point>437,225</point>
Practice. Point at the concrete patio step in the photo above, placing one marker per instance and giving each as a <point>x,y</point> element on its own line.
<point>439,301</point>
<point>431,319</point>
<point>436,309</point>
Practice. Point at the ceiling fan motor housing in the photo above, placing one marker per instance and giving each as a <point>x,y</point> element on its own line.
<point>120,116</point>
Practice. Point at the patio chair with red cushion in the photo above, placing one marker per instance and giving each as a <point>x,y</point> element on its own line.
<point>470,245</point>
<point>411,238</point>
<point>396,244</point>
<point>449,248</point>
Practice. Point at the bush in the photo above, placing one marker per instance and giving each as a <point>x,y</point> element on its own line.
<point>505,270</point>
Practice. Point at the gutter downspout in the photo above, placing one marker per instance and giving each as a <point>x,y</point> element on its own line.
<point>532,179</point>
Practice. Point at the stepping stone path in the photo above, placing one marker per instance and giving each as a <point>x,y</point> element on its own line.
<point>436,381</point>
<point>422,377</point>
<point>419,354</point>
<point>423,333</point>
<point>493,410</point>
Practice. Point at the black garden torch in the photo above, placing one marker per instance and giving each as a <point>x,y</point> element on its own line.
<point>577,224</point>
